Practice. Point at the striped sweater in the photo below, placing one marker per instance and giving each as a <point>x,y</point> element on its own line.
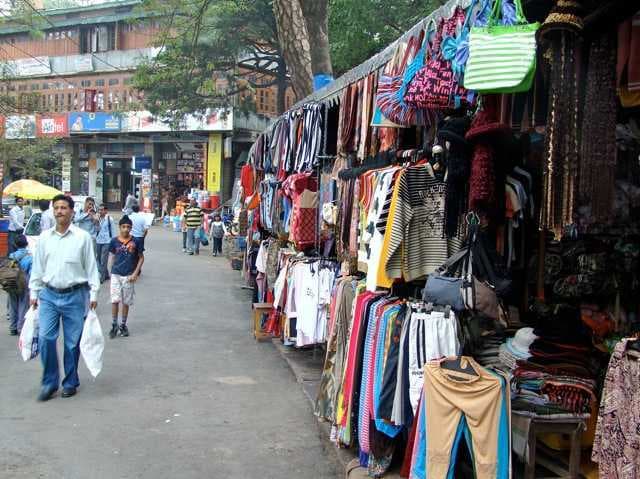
<point>418,244</point>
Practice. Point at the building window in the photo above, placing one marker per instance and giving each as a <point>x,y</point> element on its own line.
<point>100,101</point>
<point>99,82</point>
<point>85,83</point>
<point>97,38</point>
<point>22,87</point>
<point>113,81</point>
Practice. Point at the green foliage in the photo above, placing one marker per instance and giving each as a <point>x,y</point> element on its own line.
<point>204,46</point>
<point>358,29</point>
<point>32,158</point>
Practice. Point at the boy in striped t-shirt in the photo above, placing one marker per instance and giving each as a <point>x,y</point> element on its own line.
<point>193,219</point>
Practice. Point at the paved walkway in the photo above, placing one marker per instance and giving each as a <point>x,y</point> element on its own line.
<point>189,394</point>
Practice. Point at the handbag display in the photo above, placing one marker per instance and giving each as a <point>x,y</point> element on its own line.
<point>443,287</point>
<point>435,86</point>
<point>502,58</point>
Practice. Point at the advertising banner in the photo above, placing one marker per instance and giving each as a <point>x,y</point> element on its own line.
<point>213,120</point>
<point>20,126</point>
<point>66,173</point>
<point>52,125</point>
<point>99,122</point>
<point>214,162</point>
<point>143,121</point>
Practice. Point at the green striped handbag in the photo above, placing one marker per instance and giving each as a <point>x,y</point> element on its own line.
<point>502,58</point>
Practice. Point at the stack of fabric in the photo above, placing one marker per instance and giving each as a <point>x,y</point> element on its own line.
<point>549,377</point>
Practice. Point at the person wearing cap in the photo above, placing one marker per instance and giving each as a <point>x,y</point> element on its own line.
<point>64,284</point>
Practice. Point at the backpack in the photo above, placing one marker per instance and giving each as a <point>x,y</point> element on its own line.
<point>12,278</point>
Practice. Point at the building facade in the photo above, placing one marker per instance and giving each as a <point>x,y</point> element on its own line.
<point>77,76</point>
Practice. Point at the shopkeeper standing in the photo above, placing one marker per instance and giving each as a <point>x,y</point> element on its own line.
<point>16,223</point>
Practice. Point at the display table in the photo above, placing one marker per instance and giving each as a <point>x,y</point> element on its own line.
<point>260,309</point>
<point>572,427</point>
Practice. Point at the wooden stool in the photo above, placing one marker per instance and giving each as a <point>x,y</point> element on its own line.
<point>258,310</point>
<point>574,427</point>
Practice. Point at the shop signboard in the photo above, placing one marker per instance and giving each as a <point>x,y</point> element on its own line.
<point>33,66</point>
<point>20,126</point>
<point>214,162</point>
<point>219,119</point>
<point>52,125</point>
<point>83,63</point>
<point>143,121</point>
<point>98,122</point>
<point>141,163</point>
<point>66,173</point>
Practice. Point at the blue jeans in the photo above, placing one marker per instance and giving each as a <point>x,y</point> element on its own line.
<point>72,308</point>
<point>193,240</point>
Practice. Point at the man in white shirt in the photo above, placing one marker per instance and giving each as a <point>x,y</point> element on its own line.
<point>140,227</point>
<point>47,221</point>
<point>64,282</point>
<point>16,223</point>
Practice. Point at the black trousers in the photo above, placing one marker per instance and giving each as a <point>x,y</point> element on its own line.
<point>217,245</point>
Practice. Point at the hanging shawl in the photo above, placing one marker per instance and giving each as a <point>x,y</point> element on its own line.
<point>598,159</point>
<point>561,141</point>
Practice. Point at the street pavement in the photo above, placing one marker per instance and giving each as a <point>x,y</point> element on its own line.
<point>189,394</point>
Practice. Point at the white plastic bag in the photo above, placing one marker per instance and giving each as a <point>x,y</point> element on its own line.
<point>28,342</point>
<point>92,343</point>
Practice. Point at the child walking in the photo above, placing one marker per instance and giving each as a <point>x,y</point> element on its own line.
<point>126,257</point>
<point>217,230</point>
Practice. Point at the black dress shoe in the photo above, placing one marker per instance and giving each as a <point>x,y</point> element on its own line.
<point>46,394</point>
<point>68,392</point>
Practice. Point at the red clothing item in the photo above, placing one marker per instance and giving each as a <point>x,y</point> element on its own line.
<point>354,343</point>
<point>247,180</point>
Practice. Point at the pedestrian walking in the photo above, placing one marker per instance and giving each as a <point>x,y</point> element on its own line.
<point>106,232</point>
<point>19,300</point>
<point>128,204</point>
<point>140,227</point>
<point>47,221</point>
<point>125,259</point>
<point>64,283</point>
<point>183,228</point>
<point>16,223</point>
<point>88,220</point>
<point>193,218</point>
<point>217,230</point>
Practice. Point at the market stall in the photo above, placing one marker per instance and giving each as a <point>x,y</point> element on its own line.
<point>457,221</point>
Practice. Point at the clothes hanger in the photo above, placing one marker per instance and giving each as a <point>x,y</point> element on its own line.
<point>456,365</point>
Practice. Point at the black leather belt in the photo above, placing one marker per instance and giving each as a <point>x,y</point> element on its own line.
<point>70,289</point>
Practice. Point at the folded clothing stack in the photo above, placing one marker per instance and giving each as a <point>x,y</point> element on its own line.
<point>549,376</point>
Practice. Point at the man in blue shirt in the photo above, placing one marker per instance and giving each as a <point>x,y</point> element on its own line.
<point>107,230</point>
<point>88,219</point>
<point>125,261</point>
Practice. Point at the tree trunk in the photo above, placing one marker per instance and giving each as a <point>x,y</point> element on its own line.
<point>294,42</point>
<point>316,18</point>
<point>281,86</point>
